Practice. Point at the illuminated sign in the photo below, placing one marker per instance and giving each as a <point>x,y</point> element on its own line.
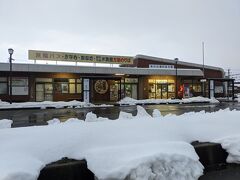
<point>78,57</point>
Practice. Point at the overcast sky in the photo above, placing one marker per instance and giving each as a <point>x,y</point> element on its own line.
<point>162,28</point>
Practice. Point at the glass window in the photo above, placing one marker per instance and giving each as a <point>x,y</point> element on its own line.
<point>71,80</point>
<point>171,81</point>
<point>131,80</point>
<point>128,90</point>
<point>3,88</point>
<point>3,79</point>
<point>197,88</point>
<point>79,88</point>
<point>64,87</point>
<point>44,79</point>
<point>171,87</point>
<point>161,81</point>
<point>57,88</point>
<point>79,80</point>
<point>72,88</point>
<point>17,81</point>
<point>20,86</point>
<point>48,88</point>
<point>151,81</point>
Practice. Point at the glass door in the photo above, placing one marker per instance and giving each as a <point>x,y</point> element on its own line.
<point>39,92</point>
<point>164,91</point>
<point>134,91</point>
<point>114,89</point>
<point>158,91</point>
<point>44,92</point>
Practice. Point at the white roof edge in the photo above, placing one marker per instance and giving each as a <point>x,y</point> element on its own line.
<point>98,70</point>
<point>179,62</point>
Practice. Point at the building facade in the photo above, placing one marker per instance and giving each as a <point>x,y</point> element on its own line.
<point>148,77</point>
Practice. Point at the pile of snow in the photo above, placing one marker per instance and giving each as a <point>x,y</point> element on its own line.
<point>54,121</point>
<point>91,117</point>
<point>133,147</point>
<point>131,101</point>
<point>48,104</point>
<point>199,99</point>
<point>5,123</point>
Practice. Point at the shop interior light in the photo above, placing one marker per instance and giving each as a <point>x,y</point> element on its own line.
<point>119,74</point>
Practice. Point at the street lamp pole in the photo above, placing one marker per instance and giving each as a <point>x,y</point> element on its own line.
<point>176,88</point>
<point>10,51</point>
<point>203,58</point>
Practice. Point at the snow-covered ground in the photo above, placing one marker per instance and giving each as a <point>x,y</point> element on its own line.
<point>47,104</point>
<point>131,101</point>
<point>5,123</point>
<point>132,147</point>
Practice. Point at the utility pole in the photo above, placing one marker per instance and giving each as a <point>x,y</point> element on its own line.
<point>176,88</point>
<point>203,58</point>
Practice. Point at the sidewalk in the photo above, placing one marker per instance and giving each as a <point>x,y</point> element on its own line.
<point>48,105</point>
<point>199,99</point>
<point>78,104</point>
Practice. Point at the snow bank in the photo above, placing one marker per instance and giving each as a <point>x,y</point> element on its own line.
<point>141,147</point>
<point>131,101</point>
<point>53,121</point>
<point>5,123</point>
<point>167,160</point>
<point>48,104</point>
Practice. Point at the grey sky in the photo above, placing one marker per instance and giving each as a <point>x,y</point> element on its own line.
<point>170,28</point>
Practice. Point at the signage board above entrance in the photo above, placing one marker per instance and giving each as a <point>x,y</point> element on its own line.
<point>78,57</point>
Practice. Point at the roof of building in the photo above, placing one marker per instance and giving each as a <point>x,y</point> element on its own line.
<point>140,56</point>
<point>98,70</point>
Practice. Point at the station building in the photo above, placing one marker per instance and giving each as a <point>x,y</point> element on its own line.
<point>139,77</point>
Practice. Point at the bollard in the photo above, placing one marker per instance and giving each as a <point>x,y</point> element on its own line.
<point>66,169</point>
<point>211,155</point>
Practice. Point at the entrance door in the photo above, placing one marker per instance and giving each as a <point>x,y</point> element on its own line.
<point>131,90</point>
<point>44,92</point>
<point>164,91</point>
<point>134,91</point>
<point>39,92</point>
<point>103,91</point>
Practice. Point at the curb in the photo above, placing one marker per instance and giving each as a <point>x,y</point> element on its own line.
<point>66,169</point>
<point>211,155</point>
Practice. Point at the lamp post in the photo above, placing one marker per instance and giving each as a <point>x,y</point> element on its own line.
<point>203,58</point>
<point>176,88</point>
<point>10,51</point>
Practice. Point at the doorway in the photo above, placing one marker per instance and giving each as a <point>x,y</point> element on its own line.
<point>103,90</point>
<point>44,92</point>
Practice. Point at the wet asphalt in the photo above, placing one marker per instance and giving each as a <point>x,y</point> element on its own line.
<point>33,117</point>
